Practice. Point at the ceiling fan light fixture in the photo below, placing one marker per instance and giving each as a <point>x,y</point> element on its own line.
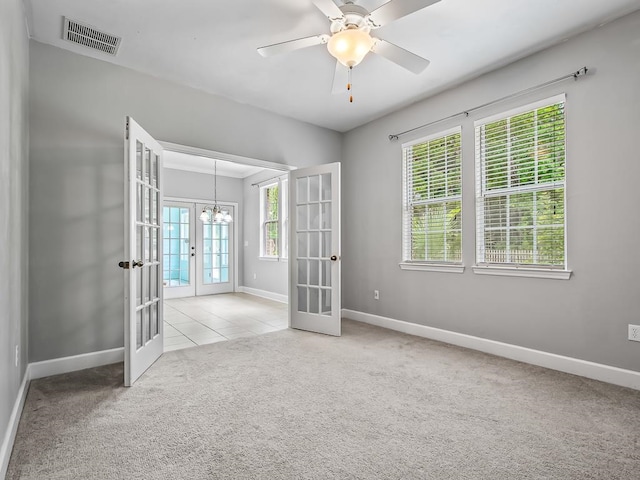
<point>350,46</point>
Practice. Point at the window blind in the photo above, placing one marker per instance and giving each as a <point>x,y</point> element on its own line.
<point>274,219</point>
<point>270,221</point>
<point>520,187</point>
<point>432,191</point>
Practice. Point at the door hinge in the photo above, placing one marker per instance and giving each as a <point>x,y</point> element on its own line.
<point>126,133</point>
<point>124,265</point>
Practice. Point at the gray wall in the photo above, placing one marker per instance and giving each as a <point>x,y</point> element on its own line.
<point>14,151</point>
<point>585,317</point>
<point>78,106</point>
<point>271,276</point>
<point>199,186</point>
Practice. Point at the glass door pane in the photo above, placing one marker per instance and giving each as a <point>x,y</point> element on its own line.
<point>314,235</point>
<point>177,239</point>
<point>215,253</point>
<point>315,249</point>
<point>214,261</point>
<point>178,249</point>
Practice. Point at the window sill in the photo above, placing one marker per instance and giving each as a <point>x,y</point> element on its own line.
<point>273,259</point>
<point>432,267</point>
<point>522,272</point>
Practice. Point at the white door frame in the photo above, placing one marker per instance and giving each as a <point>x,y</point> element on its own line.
<point>227,157</point>
<point>237,218</point>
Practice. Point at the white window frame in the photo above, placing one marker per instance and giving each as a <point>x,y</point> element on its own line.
<point>519,270</point>
<point>283,219</point>
<point>426,265</point>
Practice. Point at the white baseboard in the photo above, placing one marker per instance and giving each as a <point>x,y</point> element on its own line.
<point>46,369</point>
<point>278,297</point>
<point>76,362</point>
<point>12,427</point>
<point>583,368</point>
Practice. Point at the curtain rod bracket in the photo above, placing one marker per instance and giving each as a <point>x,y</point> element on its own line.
<point>393,138</point>
<point>583,71</point>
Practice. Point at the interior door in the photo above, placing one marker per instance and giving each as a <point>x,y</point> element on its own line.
<point>215,247</point>
<point>143,332</point>
<point>314,249</point>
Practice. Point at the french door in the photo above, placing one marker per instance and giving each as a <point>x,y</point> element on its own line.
<point>143,331</point>
<point>198,256</point>
<point>314,249</point>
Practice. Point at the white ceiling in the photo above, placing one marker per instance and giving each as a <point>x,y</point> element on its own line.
<point>211,45</point>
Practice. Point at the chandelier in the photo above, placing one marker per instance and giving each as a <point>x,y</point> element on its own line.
<point>214,213</point>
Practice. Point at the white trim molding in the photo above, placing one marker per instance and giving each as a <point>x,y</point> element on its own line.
<point>12,426</point>
<point>278,297</point>
<point>228,157</point>
<point>47,368</point>
<point>575,366</point>
<point>58,366</point>
<point>522,272</point>
<point>432,267</point>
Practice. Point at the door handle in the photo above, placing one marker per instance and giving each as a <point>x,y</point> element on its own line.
<point>333,258</point>
<point>138,263</point>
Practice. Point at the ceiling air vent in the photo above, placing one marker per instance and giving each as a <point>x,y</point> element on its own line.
<point>88,36</point>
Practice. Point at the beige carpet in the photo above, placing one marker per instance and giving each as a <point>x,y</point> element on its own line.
<point>296,405</point>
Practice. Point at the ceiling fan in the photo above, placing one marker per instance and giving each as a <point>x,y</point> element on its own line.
<point>350,38</point>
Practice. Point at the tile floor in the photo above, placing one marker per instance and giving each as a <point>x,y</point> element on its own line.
<point>215,318</point>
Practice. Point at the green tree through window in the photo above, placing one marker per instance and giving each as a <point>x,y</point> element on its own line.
<point>271,225</point>
<point>520,188</point>
<point>432,174</point>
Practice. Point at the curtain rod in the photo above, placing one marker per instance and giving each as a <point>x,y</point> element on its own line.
<point>264,182</point>
<point>575,75</point>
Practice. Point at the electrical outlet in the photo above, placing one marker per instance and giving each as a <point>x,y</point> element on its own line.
<point>17,354</point>
<point>255,276</point>
<point>376,294</point>
<point>634,333</point>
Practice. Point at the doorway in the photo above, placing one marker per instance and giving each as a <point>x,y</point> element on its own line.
<point>200,259</point>
<point>198,256</point>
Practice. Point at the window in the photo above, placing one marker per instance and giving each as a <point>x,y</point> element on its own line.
<point>432,217</point>
<point>274,220</point>
<point>284,218</point>
<point>520,187</point>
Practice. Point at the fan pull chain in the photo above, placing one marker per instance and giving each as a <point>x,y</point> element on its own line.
<point>349,86</point>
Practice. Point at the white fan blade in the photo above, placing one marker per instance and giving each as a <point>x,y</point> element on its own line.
<point>400,56</point>
<point>395,9</point>
<point>329,8</point>
<point>291,45</point>
<point>340,79</point>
